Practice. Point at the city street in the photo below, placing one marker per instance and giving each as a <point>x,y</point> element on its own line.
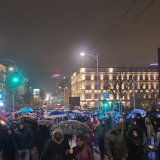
<point>80,80</point>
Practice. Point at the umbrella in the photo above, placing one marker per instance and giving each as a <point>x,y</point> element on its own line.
<point>76,111</point>
<point>4,112</point>
<point>56,113</point>
<point>3,118</point>
<point>133,113</point>
<point>44,122</point>
<point>72,127</point>
<point>141,111</point>
<point>2,122</point>
<point>30,116</point>
<point>26,110</point>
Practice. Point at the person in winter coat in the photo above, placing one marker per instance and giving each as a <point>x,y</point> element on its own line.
<point>56,147</point>
<point>23,141</point>
<point>158,137</point>
<point>100,133</point>
<point>2,133</point>
<point>115,143</point>
<point>155,120</point>
<point>158,142</point>
<point>135,145</point>
<point>9,149</point>
<point>150,130</point>
<point>89,139</point>
<point>81,151</point>
<point>134,126</point>
<point>140,122</point>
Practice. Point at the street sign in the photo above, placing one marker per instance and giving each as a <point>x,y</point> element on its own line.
<point>105,95</point>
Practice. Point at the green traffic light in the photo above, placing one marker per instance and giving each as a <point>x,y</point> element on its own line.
<point>15,79</point>
<point>105,103</point>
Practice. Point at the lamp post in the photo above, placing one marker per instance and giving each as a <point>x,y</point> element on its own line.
<point>96,57</point>
<point>11,61</point>
<point>11,69</point>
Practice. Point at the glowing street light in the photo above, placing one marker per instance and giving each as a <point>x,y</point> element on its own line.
<point>82,54</point>
<point>11,69</point>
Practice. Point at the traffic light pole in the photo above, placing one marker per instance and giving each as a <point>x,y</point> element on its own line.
<point>13,99</point>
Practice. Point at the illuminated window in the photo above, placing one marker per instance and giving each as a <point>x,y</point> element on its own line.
<point>82,70</point>
<point>111,69</point>
<point>83,77</point>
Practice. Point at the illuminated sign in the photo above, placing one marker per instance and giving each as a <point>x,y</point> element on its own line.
<point>1,104</point>
<point>106,95</point>
<point>36,92</point>
<point>56,75</point>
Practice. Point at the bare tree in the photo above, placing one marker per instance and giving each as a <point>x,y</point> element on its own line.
<point>119,86</point>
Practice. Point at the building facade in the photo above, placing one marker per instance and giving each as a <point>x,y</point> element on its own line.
<point>125,85</point>
<point>2,84</point>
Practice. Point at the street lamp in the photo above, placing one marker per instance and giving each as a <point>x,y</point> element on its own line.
<point>11,69</point>
<point>96,57</point>
<point>11,61</point>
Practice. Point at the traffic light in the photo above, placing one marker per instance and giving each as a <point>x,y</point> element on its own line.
<point>105,105</point>
<point>59,99</point>
<point>115,106</point>
<point>15,79</point>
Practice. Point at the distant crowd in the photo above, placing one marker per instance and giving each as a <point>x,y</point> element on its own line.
<point>128,139</point>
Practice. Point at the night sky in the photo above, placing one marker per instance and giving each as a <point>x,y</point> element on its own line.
<point>45,36</point>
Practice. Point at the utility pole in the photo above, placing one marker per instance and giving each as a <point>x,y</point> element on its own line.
<point>13,99</point>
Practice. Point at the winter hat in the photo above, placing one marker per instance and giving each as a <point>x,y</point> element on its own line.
<point>116,127</point>
<point>20,122</point>
<point>58,130</point>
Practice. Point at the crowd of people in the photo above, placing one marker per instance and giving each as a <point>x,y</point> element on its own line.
<point>129,138</point>
<point>126,139</point>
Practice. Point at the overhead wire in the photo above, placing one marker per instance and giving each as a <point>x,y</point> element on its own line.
<point>137,16</point>
<point>114,26</point>
<point>100,47</point>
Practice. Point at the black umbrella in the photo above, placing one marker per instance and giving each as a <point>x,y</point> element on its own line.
<point>72,127</point>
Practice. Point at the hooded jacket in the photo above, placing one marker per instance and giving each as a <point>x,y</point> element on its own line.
<point>101,130</point>
<point>115,144</point>
<point>56,150</point>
